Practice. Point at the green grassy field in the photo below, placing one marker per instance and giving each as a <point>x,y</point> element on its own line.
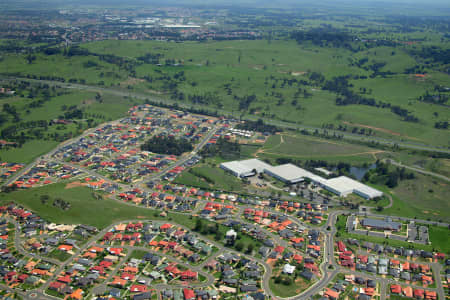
<point>439,237</point>
<point>65,67</point>
<point>230,69</point>
<point>206,176</point>
<point>29,151</point>
<point>307,147</point>
<point>247,65</point>
<point>423,197</point>
<point>85,209</point>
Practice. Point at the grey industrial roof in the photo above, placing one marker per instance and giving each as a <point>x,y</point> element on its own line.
<point>384,224</point>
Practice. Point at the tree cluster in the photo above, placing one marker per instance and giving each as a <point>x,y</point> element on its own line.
<point>258,126</point>
<point>386,175</point>
<point>167,145</point>
<point>222,148</point>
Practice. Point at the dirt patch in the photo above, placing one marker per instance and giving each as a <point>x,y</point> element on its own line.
<point>257,67</point>
<point>141,217</point>
<point>73,185</point>
<point>298,73</point>
<point>132,81</point>
<point>373,128</point>
<point>87,102</point>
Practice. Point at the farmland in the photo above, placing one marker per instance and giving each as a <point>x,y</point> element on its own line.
<point>278,74</point>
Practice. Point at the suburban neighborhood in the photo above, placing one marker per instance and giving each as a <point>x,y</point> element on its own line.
<point>228,245</point>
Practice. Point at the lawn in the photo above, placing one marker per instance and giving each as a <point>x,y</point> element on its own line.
<point>138,254</point>
<point>59,255</point>
<point>285,291</point>
<point>64,67</point>
<point>28,152</point>
<point>189,179</point>
<point>440,237</point>
<point>85,209</point>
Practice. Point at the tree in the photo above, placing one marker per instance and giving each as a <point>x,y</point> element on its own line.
<point>44,198</point>
<point>287,281</point>
<point>239,246</point>
<point>198,225</point>
<point>30,58</point>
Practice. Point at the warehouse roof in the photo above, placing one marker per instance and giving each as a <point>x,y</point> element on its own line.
<point>236,167</point>
<point>289,172</point>
<point>256,164</point>
<point>382,224</point>
<point>246,167</point>
<point>345,185</point>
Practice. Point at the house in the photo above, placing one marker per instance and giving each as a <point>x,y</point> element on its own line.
<point>188,294</point>
<point>396,289</point>
<point>248,288</point>
<point>189,275</point>
<point>419,293</point>
<point>138,288</point>
<point>32,280</point>
<point>143,296</point>
<point>308,275</point>
<point>331,294</point>
<point>56,286</point>
<point>288,269</point>
<point>77,294</point>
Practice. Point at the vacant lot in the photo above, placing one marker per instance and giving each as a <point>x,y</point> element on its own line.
<point>84,208</point>
<point>423,197</point>
<point>307,147</point>
<point>210,177</point>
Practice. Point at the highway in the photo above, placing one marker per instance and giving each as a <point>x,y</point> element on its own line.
<point>418,170</point>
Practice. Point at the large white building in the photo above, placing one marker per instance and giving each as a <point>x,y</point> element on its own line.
<point>343,186</point>
<point>289,173</point>
<point>245,168</point>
